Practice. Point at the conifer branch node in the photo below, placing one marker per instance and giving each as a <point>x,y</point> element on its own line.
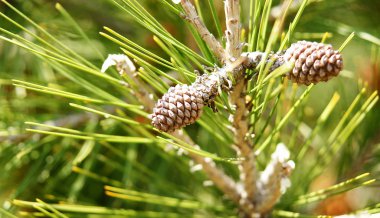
<point>182,105</point>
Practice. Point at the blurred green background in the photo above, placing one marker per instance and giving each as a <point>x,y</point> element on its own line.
<point>37,166</point>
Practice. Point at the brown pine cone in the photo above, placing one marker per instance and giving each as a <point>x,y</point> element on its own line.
<point>180,106</point>
<point>313,62</point>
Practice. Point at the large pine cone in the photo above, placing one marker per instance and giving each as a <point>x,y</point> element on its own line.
<point>314,62</point>
<point>180,106</point>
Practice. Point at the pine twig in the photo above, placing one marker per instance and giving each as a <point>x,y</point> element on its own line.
<point>274,180</point>
<point>211,41</point>
<point>233,52</point>
<point>183,104</point>
<point>217,176</point>
<point>126,68</point>
<point>233,46</point>
<point>242,142</point>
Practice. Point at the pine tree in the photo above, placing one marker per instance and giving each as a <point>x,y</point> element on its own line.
<point>212,131</point>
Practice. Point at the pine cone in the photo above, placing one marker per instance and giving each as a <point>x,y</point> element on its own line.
<point>314,62</point>
<point>180,106</point>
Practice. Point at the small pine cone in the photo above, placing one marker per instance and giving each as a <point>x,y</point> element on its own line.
<point>314,62</point>
<point>180,106</point>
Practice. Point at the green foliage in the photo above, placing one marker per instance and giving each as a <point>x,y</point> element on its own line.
<point>80,139</point>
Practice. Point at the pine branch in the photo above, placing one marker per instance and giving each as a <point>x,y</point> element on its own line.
<point>240,124</point>
<point>274,180</point>
<point>216,175</point>
<point>242,141</point>
<point>182,105</point>
<point>127,70</point>
<point>125,67</point>
<point>255,194</point>
<point>237,97</point>
<point>233,46</point>
<point>192,17</point>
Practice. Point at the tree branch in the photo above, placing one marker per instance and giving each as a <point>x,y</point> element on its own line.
<point>192,17</point>
<point>242,141</point>
<point>274,180</point>
<point>233,46</point>
<point>217,176</point>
